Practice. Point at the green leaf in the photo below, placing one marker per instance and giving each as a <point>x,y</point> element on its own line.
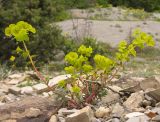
<point>8,31</point>
<point>80,61</point>
<point>12,58</point>
<point>22,35</point>
<point>83,50</point>
<point>71,57</point>
<point>76,89</point>
<point>131,50</point>
<point>20,31</point>
<point>25,54</point>
<point>70,70</point>
<point>103,63</point>
<point>62,84</point>
<point>122,46</point>
<point>87,68</point>
<point>19,50</point>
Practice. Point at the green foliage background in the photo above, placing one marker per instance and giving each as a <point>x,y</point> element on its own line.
<point>147,5</point>
<point>40,13</point>
<point>48,39</point>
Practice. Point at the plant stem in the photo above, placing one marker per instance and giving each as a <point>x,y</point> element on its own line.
<point>40,76</point>
<point>113,75</point>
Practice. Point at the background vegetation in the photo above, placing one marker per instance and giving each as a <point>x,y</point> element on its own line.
<point>48,41</point>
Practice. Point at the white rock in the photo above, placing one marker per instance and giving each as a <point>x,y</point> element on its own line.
<point>156,110</point>
<point>27,90</point>
<point>40,86</point>
<point>50,93</point>
<point>102,112</point>
<point>84,115</point>
<point>60,112</point>
<point>150,82</point>
<point>156,118</point>
<point>95,120</point>
<point>15,90</point>
<point>138,79</point>
<point>115,88</point>
<point>32,112</point>
<point>13,82</point>
<point>1,103</point>
<point>158,105</point>
<point>110,97</point>
<point>118,109</point>
<point>53,119</point>
<point>9,98</point>
<point>61,119</point>
<point>143,118</point>
<point>134,114</point>
<point>57,79</point>
<point>15,76</point>
<point>45,94</point>
<point>134,100</point>
<point>65,111</point>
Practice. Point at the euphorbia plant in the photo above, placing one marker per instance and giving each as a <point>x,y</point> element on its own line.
<point>90,74</point>
<point>20,31</point>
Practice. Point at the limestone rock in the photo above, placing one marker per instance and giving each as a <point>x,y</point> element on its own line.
<point>40,86</point>
<point>1,103</point>
<point>14,79</point>
<point>64,111</point>
<point>134,100</point>
<point>102,112</point>
<point>156,110</point>
<point>32,112</point>
<point>27,90</point>
<point>15,76</point>
<point>15,90</point>
<point>53,119</point>
<point>110,97</point>
<point>57,79</point>
<point>158,104</point>
<point>134,114</point>
<point>45,94</point>
<point>138,119</point>
<point>14,82</point>
<point>116,88</point>
<point>118,109</point>
<point>9,98</point>
<point>151,82</point>
<point>156,118</point>
<point>84,115</point>
<point>155,94</point>
<point>95,120</point>
<point>146,103</point>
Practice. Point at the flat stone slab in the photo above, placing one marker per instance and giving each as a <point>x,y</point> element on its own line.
<point>155,94</point>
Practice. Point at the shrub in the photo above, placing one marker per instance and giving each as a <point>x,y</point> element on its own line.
<point>147,5</point>
<point>89,79</point>
<point>137,13</point>
<point>40,13</point>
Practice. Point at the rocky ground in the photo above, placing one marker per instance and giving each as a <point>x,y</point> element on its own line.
<point>128,99</point>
